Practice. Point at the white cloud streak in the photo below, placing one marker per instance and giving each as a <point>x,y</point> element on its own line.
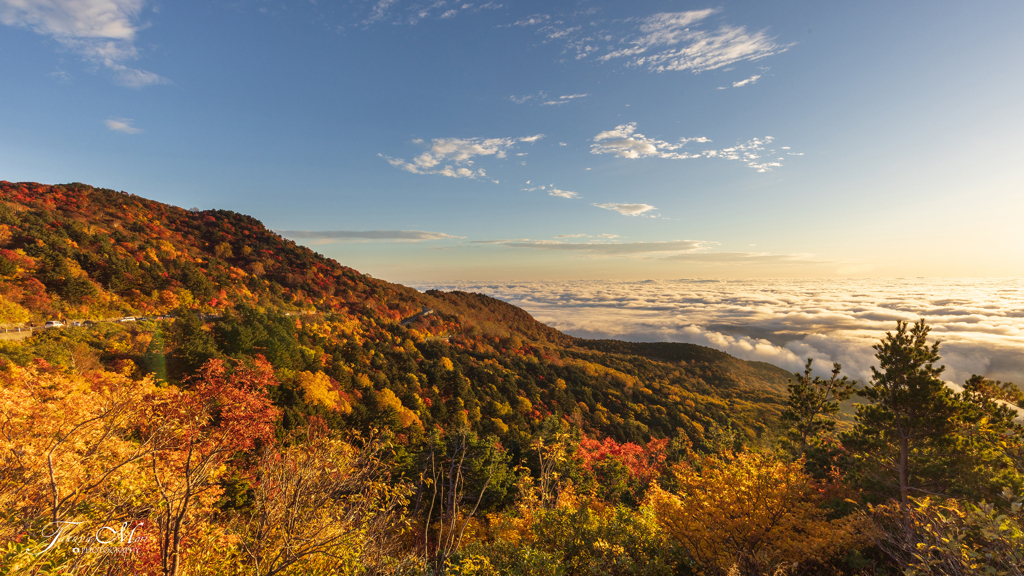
<point>743,258</point>
<point>746,82</point>
<point>565,99</point>
<point>623,141</point>
<point>627,209</point>
<point>544,100</point>
<point>611,248</point>
<point>123,125</point>
<point>562,193</point>
<point>460,152</point>
<point>669,42</point>
<point>101,31</point>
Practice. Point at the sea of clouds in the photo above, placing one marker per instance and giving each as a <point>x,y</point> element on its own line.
<point>979,322</point>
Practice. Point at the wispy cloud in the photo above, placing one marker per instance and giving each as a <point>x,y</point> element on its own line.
<point>460,152</point>
<point>413,235</point>
<point>625,142</point>
<point>627,209</point>
<point>101,31</point>
<point>535,20</point>
<point>668,41</point>
<point>379,12</point>
<point>411,13</point>
<point>552,191</point>
<point>544,100</point>
<point>577,37</point>
<point>744,258</point>
<point>123,125</point>
<point>562,193</point>
<point>611,248</point>
<point>750,80</point>
<point>563,99</point>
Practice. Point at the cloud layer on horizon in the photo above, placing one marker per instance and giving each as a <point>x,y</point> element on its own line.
<point>980,322</point>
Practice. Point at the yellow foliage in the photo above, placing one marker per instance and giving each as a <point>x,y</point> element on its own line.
<point>322,507</point>
<point>185,297</point>
<point>69,436</point>
<point>12,312</point>
<point>501,408</point>
<point>446,363</point>
<point>318,389</point>
<point>406,417</point>
<point>753,511</point>
<point>500,426</point>
<point>524,405</point>
<point>598,371</point>
<point>363,381</point>
<point>321,329</point>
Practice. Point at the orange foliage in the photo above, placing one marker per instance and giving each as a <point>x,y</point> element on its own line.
<point>644,463</point>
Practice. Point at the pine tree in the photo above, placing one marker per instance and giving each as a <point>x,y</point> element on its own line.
<point>900,437</point>
<point>813,406</point>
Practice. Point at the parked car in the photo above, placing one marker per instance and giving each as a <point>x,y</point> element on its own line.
<point>127,319</point>
<point>53,324</point>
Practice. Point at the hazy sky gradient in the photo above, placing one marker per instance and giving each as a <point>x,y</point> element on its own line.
<point>437,141</point>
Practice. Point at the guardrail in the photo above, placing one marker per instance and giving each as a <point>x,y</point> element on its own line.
<point>21,329</point>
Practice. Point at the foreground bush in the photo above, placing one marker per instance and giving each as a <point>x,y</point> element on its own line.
<point>576,538</point>
<point>952,538</point>
<point>753,514</point>
<point>102,474</point>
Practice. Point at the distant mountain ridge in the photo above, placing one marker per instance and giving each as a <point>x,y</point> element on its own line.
<point>74,251</point>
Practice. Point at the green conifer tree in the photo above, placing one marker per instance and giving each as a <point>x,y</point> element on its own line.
<point>901,437</point>
<point>813,406</point>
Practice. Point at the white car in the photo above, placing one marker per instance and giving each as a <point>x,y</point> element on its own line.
<point>53,324</point>
<point>127,319</point>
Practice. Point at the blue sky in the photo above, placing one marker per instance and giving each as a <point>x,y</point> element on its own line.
<point>439,141</point>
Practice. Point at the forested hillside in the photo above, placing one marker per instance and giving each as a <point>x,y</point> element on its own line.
<point>225,401</point>
<point>77,252</point>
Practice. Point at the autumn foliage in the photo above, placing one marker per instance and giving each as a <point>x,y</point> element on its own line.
<point>274,412</point>
<point>754,512</point>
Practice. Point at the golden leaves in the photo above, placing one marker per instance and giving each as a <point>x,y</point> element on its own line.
<point>752,508</point>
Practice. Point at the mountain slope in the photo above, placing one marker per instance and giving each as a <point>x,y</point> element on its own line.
<point>348,349</point>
